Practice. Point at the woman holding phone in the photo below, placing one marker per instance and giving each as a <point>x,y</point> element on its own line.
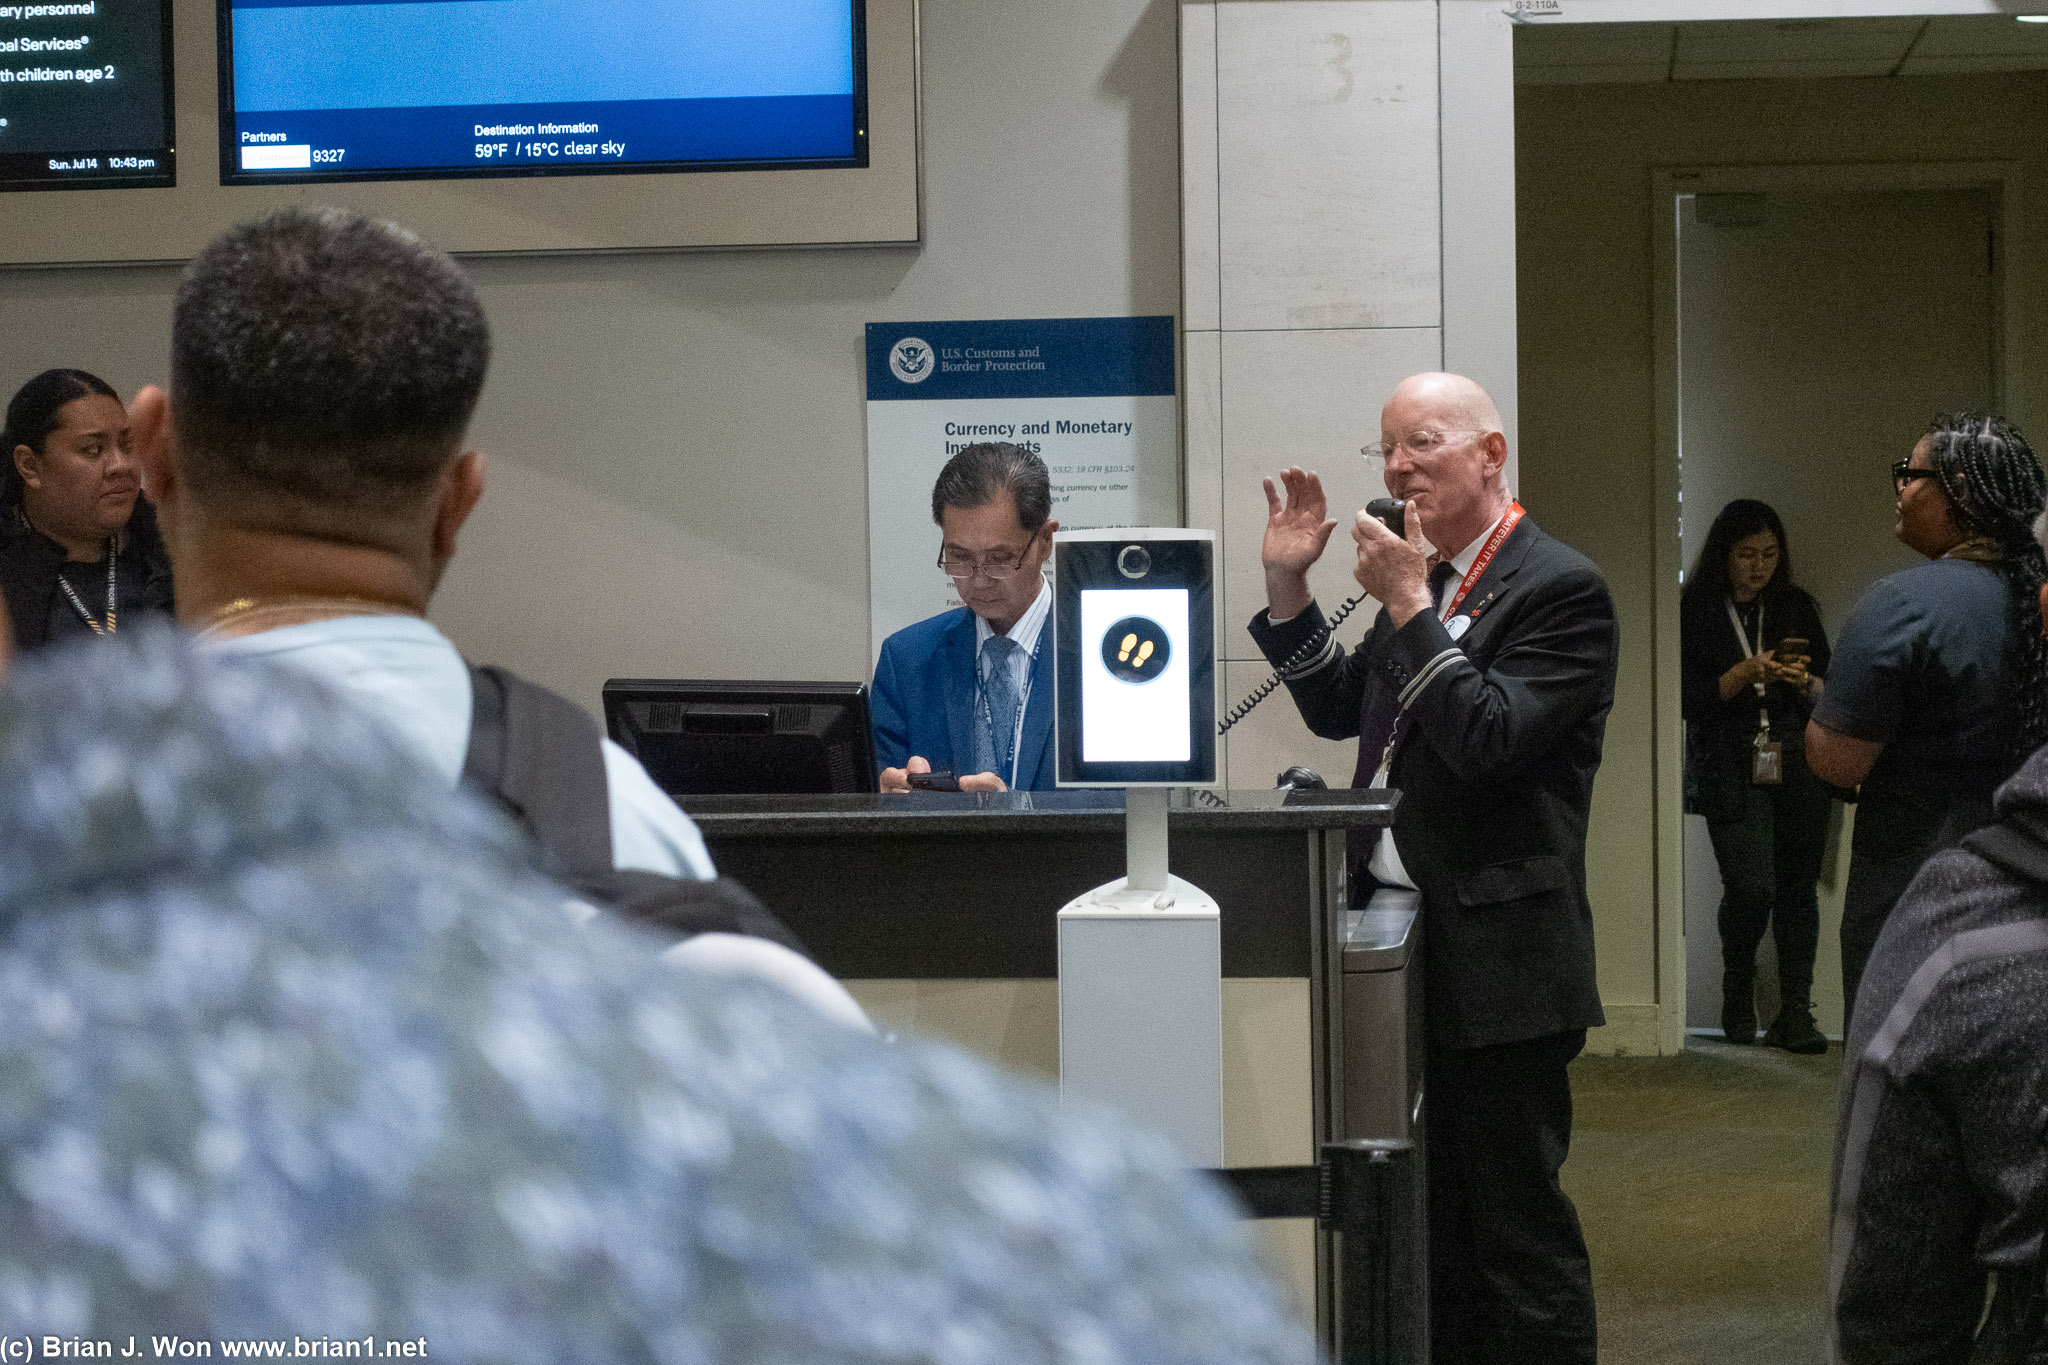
<point>1753,655</point>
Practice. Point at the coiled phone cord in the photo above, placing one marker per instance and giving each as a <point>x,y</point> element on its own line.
<point>1309,649</point>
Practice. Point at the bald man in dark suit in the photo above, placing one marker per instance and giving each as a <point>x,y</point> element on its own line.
<point>1481,694</point>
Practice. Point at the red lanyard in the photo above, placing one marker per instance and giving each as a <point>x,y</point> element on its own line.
<point>1493,544</point>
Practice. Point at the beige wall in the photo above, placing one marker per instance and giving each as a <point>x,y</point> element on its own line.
<point>678,442</point>
<point>1588,403</point>
<point>1309,152</point>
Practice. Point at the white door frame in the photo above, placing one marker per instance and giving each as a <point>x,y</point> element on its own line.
<point>1476,85</point>
<point>1668,186</point>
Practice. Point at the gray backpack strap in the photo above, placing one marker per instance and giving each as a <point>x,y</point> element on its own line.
<point>2011,849</point>
<point>542,759</point>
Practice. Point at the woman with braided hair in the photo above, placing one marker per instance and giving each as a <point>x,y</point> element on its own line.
<point>1940,681</point>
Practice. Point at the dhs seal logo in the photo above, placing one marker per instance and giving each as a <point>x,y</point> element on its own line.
<point>911,360</point>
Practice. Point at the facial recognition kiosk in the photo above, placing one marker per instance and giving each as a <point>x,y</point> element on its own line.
<point>1140,958</point>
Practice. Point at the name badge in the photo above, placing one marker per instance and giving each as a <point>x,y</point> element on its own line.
<point>1767,764</point>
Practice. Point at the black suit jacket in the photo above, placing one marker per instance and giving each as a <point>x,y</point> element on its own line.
<point>1494,759</point>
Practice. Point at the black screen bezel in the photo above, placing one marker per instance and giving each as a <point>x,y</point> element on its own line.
<point>231,172</point>
<point>163,178</point>
<point>1080,565</point>
<point>621,695</point>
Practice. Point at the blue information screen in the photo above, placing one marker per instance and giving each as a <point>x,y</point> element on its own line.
<point>382,89</point>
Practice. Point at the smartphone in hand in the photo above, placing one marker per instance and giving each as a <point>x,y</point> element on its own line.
<point>1793,649</point>
<point>934,782</point>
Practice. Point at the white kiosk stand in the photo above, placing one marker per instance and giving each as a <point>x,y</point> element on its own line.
<point>1140,958</point>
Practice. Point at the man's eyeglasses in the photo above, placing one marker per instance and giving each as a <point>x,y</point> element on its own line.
<point>996,564</point>
<point>1417,443</point>
<point>1903,473</point>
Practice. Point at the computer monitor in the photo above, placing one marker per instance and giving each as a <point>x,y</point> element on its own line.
<point>714,737</point>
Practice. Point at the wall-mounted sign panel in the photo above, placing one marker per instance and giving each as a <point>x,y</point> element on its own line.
<point>1094,397</point>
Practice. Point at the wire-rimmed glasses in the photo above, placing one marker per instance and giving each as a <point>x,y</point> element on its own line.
<point>1418,443</point>
<point>995,565</point>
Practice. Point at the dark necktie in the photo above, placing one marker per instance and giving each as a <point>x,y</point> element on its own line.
<point>1382,698</point>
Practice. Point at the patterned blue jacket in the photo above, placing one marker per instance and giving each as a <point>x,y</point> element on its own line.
<point>923,701</point>
<point>293,1045</point>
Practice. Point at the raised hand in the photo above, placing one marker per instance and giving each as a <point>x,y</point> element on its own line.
<point>1298,527</point>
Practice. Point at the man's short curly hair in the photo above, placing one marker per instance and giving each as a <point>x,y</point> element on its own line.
<point>325,357</point>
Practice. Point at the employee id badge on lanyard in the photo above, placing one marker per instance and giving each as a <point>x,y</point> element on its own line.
<point>1767,760</point>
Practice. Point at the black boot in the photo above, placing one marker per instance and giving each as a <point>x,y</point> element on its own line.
<point>1738,1009</point>
<point>1793,1029</point>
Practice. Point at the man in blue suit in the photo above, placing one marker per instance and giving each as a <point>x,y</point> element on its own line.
<point>969,691</point>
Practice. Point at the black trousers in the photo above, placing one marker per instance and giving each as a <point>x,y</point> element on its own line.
<point>1893,838</point>
<point>1510,1283</point>
<point>1770,855</point>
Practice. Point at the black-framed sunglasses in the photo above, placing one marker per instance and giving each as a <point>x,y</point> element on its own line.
<point>1903,473</point>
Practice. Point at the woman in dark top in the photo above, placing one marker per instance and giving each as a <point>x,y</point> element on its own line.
<point>79,549</point>
<point>1746,700</point>
<point>1940,684</point>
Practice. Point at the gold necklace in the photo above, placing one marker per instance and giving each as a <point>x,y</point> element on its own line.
<point>253,615</point>
<point>1976,549</point>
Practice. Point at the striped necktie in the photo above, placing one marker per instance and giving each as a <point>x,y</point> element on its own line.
<point>996,738</point>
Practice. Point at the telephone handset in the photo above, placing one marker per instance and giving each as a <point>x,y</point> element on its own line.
<point>1392,513</point>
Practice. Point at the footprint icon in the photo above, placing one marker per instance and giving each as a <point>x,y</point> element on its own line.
<point>1135,649</point>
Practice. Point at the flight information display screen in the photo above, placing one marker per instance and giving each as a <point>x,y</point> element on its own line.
<point>85,94</point>
<point>317,90</point>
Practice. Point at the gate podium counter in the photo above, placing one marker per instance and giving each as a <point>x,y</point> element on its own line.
<point>964,885</point>
<point>939,912</point>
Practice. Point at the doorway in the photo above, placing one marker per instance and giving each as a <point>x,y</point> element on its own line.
<point>1606,95</point>
<point>1821,319</point>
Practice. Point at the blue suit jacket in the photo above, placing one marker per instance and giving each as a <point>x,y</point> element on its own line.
<point>923,701</point>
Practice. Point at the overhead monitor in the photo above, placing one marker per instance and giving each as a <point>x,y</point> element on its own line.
<point>777,123</point>
<point>85,94</point>
<point>332,90</point>
<point>714,737</point>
